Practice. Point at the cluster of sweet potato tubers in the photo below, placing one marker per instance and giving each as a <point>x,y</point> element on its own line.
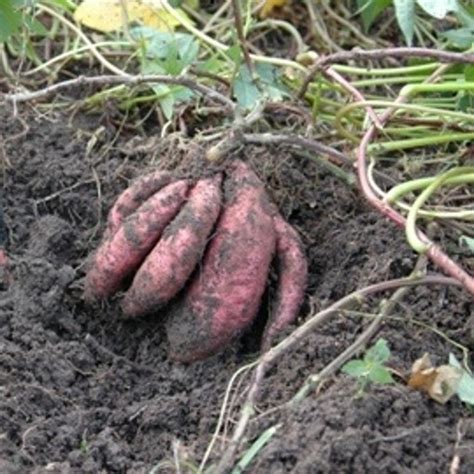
<point>206,245</point>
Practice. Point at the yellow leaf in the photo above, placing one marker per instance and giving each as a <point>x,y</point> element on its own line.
<point>270,5</point>
<point>110,15</point>
<point>440,383</point>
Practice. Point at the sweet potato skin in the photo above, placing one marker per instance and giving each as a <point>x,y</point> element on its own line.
<point>123,251</point>
<point>170,264</point>
<point>224,296</point>
<point>292,279</point>
<point>134,196</point>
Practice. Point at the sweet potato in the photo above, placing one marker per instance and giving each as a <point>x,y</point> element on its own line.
<point>170,264</point>
<point>134,196</point>
<point>122,252</point>
<point>292,281</point>
<point>224,296</point>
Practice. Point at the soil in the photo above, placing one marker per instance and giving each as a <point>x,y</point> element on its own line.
<point>84,391</point>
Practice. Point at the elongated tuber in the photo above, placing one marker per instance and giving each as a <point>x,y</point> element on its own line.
<point>292,279</point>
<point>169,265</point>
<point>224,296</point>
<point>134,196</point>
<point>122,252</point>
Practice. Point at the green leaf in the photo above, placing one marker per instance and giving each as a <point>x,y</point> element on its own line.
<point>234,54</point>
<point>173,51</point>
<point>370,10</point>
<point>405,13</point>
<point>270,78</point>
<point>35,26</point>
<point>189,54</point>
<point>469,73</point>
<point>465,389</point>
<point>151,67</point>
<point>467,242</point>
<point>378,353</point>
<point>10,19</point>
<point>356,368</point>
<point>438,8</point>
<point>266,85</point>
<point>212,65</point>
<point>465,103</point>
<point>245,90</point>
<point>460,37</point>
<point>381,375</point>
<point>466,16</point>
<point>256,447</point>
<point>167,105</point>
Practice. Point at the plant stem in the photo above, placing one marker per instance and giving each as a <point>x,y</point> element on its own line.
<point>397,192</point>
<point>107,64</point>
<point>410,227</point>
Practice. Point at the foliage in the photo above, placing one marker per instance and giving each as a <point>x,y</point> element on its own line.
<point>166,53</point>
<point>465,389</point>
<point>11,17</point>
<point>371,368</point>
<point>265,85</point>
<point>406,12</point>
<point>109,15</point>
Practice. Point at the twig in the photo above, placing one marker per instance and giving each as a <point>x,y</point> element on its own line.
<point>269,358</point>
<point>386,307</point>
<point>284,25</point>
<point>318,29</point>
<point>128,80</point>
<point>359,54</point>
<point>333,74</point>
<point>224,48</point>
<point>334,155</point>
<point>241,36</point>
<point>107,64</point>
<point>220,421</point>
<point>346,24</point>
<point>73,52</point>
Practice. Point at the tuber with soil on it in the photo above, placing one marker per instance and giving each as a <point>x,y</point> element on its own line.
<point>206,250</point>
<point>292,279</point>
<point>123,251</point>
<point>224,296</point>
<point>134,196</point>
<point>170,264</point>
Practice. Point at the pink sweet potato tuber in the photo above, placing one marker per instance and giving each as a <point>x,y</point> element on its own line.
<point>123,251</point>
<point>293,278</point>
<point>134,196</point>
<point>224,295</point>
<point>170,264</point>
<point>166,238</point>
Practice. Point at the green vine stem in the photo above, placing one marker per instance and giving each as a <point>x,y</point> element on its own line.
<point>410,227</point>
<point>399,191</point>
<point>421,142</point>
<point>344,112</point>
<point>396,71</point>
<point>417,184</point>
<point>412,89</point>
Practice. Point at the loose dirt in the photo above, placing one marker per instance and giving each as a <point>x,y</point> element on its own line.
<point>84,391</point>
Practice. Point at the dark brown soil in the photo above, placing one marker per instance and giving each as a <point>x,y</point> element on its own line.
<point>83,391</point>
